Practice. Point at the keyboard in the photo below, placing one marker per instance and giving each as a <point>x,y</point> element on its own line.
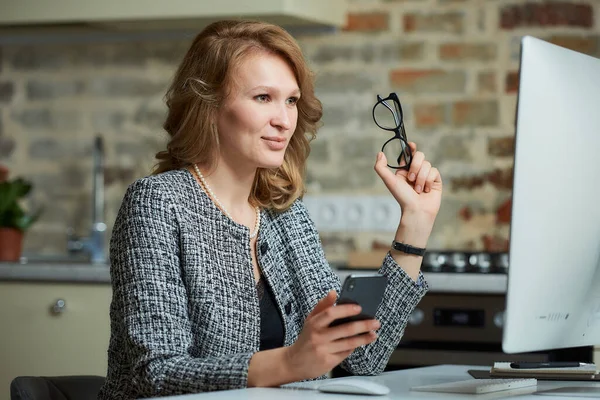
<point>478,386</point>
<point>306,385</point>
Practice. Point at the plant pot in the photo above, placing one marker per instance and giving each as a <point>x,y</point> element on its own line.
<point>11,242</point>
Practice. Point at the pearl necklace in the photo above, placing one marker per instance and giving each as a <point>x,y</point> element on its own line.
<point>218,203</point>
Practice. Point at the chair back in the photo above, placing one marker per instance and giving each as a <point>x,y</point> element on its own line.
<point>76,387</point>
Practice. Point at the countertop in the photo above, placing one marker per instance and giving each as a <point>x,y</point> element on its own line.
<point>55,272</point>
<point>83,272</point>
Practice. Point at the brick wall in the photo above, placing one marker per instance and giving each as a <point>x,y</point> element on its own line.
<point>453,63</point>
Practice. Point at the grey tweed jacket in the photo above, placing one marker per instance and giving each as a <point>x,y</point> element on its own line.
<point>185,315</point>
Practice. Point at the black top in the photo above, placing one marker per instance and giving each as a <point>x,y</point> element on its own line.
<point>271,323</point>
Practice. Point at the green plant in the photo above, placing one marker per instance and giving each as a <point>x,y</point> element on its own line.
<point>12,214</point>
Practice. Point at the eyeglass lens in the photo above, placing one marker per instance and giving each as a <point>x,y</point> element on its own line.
<point>397,152</point>
<point>384,117</point>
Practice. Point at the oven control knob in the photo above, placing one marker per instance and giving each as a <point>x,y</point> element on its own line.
<point>416,317</point>
<point>499,319</point>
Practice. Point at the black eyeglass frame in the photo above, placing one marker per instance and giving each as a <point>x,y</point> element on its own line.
<point>399,132</point>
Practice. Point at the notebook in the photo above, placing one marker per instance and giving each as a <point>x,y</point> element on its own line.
<point>504,368</point>
<point>485,374</point>
<point>478,386</point>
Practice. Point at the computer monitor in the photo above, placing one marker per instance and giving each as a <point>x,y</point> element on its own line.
<point>553,293</point>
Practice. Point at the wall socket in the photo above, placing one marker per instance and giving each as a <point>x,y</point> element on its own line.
<point>356,213</point>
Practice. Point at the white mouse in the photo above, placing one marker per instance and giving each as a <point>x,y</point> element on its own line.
<point>354,386</point>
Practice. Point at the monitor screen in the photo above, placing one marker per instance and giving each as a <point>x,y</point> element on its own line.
<point>553,293</point>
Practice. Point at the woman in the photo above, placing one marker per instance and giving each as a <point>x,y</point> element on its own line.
<point>219,279</point>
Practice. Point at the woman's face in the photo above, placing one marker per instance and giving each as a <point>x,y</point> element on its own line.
<point>257,120</point>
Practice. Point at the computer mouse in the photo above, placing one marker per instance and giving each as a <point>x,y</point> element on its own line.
<point>354,386</point>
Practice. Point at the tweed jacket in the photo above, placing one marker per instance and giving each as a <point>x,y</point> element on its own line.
<point>185,314</point>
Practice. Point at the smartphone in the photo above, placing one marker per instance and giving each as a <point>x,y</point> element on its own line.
<point>366,291</point>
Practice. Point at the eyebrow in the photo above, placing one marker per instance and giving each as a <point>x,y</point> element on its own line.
<point>270,88</point>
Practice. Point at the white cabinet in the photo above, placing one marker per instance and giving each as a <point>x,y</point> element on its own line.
<point>172,14</point>
<point>52,329</point>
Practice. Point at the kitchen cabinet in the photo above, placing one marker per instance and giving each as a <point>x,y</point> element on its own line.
<point>53,328</point>
<point>173,14</point>
<point>597,355</point>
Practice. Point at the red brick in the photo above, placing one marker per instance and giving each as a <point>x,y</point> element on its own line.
<point>409,76</point>
<point>494,243</point>
<point>428,80</point>
<point>503,212</point>
<point>486,82</point>
<point>501,147</point>
<point>512,82</point>
<point>475,113</point>
<point>548,13</point>
<point>429,115</point>
<point>466,51</point>
<point>451,22</point>
<point>465,213</point>
<point>367,22</point>
<point>466,182</point>
<point>501,178</point>
<point>583,44</point>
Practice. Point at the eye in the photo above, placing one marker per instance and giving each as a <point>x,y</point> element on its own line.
<point>292,101</point>
<point>263,98</point>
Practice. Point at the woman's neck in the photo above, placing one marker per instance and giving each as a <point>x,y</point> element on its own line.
<point>231,186</point>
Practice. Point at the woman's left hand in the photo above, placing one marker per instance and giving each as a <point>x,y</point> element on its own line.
<point>418,190</point>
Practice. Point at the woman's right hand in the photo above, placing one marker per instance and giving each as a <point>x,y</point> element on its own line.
<point>320,348</point>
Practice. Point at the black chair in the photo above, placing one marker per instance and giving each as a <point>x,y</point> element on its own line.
<point>83,387</point>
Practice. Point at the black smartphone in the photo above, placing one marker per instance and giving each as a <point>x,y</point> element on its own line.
<point>366,291</point>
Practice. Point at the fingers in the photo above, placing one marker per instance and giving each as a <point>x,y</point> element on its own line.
<point>350,343</point>
<point>422,176</point>
<point>413,151</point>
<point>354,328</point>
<point>413,147</point>
<point>327,316</point>
<point>415,166</point>
<point>434,180</point>
<point>324,303</point>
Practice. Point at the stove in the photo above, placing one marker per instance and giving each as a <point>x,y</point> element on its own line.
<point>465,272</point>
<point>450,271</point>
<point>465,262</point>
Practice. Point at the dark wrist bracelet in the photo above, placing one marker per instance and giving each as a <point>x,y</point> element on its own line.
<point>408,249</point>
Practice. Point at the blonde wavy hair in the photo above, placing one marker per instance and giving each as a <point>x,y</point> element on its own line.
<point>203,81</point>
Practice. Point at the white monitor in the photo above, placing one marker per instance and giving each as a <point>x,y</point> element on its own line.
<point>553,294</point>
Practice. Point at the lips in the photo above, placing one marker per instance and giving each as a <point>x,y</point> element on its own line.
<point>275,142</point>
<point>274,138</point>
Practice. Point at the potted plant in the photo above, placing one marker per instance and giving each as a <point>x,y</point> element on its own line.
<point>14,219</point>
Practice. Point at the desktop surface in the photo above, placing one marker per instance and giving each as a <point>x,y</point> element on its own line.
<point>399,383</point>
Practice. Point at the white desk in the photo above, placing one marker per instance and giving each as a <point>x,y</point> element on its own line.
<point>399,382</point>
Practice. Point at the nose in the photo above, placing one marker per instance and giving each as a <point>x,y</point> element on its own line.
<point>282,117</point>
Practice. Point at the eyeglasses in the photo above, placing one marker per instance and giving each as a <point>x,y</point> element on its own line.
<point>387,114</point>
